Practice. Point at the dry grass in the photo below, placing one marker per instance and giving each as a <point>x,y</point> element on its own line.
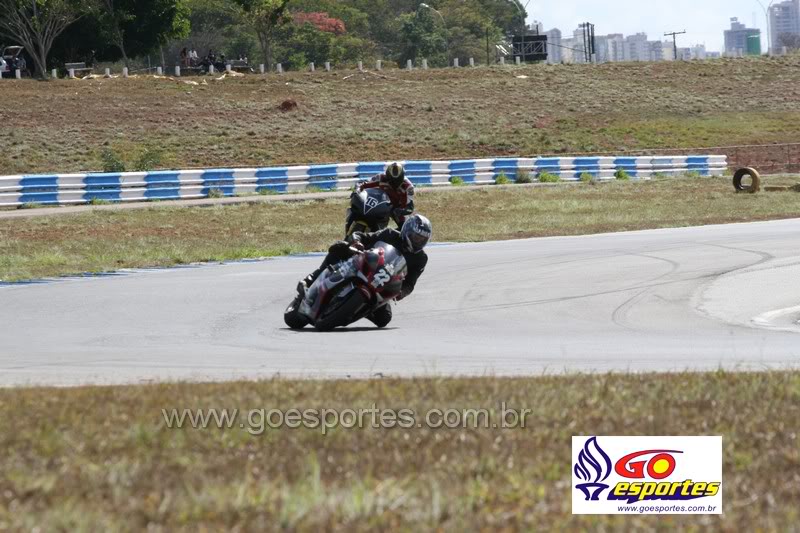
<point>431,114</point>
<point>103,459</point>
<point>165,236</point>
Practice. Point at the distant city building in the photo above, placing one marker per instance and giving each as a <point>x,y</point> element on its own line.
<point>698,51</point>
<point>685,53</point>
<point>637,48</point>
<point>741,40</point>
<point>537,27</point>
<point>668,51</point>
<point>660,51</point>
<point>613,47</point>
<point>784,18</point>
<point>570,51</point>
<point>616,47</point>
<point>554,54</point>
<point>601,48</point>
<point>579,37</point>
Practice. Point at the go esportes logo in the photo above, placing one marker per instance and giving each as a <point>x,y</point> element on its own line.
<point>647,475</point>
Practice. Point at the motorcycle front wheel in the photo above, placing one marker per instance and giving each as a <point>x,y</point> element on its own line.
<point>292,316</point>
<point>343,313</point>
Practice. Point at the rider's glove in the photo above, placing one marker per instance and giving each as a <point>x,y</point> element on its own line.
<point>340,250</point>
<point>399,213</point>
<point>354,237</point>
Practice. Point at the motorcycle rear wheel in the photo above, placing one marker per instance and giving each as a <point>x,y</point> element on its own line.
<point>343,314</point>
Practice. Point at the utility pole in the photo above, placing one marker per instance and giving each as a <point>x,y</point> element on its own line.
<point>674,35</point>
<point>524,33</point>
<point>767,10</point>
<point>488,56</point>
<point>589,49</point>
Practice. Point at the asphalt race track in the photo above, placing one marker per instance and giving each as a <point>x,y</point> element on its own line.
<point>695,298</point>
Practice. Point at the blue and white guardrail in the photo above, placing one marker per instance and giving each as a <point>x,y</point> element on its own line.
<point>73,189</point>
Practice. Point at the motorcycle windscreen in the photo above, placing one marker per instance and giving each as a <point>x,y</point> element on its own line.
<point>373,206</point>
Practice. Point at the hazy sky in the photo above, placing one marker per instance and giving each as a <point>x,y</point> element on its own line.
<point>704,20</point>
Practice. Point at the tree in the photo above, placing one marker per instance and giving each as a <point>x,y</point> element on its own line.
<point>265,16</point>
<point>134,28</point>
<point>217,25</point>
<point>790,40</point>
<point>114,17</point>
<point>356,21</point>
<point>321,21</point>
<point>141,25</point>
<point>422,36</point>
<point>37,23</point>
<point>369,28</point>
<point>297,44</point>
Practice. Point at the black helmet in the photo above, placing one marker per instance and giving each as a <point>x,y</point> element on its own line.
<point>395,174</point>
<point>416,233</point>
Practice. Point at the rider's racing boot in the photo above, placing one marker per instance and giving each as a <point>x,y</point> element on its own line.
<point>303,285</point>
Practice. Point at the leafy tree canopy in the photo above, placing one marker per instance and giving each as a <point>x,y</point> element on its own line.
<point>293,32</point>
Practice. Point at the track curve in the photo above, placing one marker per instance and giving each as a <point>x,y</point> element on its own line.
<point>653,300</point>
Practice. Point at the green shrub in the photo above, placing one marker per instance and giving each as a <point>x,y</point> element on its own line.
<point>148,160</point>
<point>30,205</point>
<point>215,193</point>
<point>99,201</point>
<point>622,174</point>
<point>456,180</point>
<point>693,174</point>
<point>586,177</point>
<point>523,176</point>
<point>502,179</point>
<point>266,191</point>
<point>548,177</point>
<point>111,161</point>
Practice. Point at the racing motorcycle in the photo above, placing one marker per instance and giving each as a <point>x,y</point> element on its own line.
<point>370,210</point>
<point>350,290</point>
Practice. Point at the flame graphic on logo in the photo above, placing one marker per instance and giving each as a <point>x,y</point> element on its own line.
<point>593,467</point>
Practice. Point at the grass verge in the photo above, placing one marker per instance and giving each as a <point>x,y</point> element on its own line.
<point>103,458</point>
<point>166,236</point>
<point>79,125</point>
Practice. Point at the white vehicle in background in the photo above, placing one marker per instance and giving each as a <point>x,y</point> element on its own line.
<point>13,59</point>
